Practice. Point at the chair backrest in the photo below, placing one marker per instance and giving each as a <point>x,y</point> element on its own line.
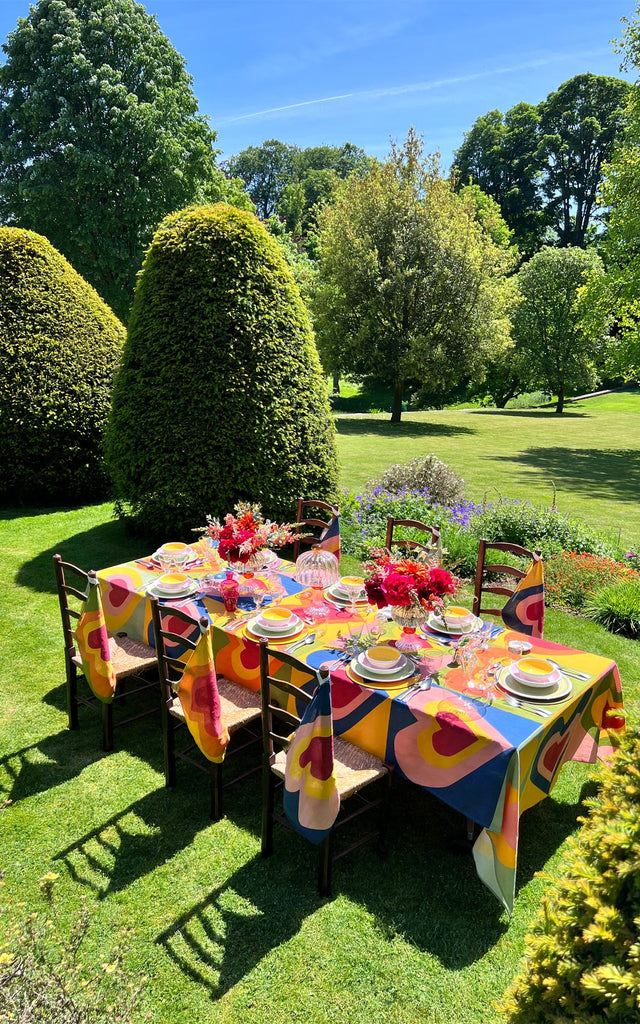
<point>273,690</point>
<point>500,586</point>
<point>308,515</point>
<point>73,583</point>
<point>431,541</point>
<point>175,632</point>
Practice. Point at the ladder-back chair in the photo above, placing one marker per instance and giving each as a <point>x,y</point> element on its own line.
<point>500,585</point>
<point>431,545</point>
<point>315,516</point>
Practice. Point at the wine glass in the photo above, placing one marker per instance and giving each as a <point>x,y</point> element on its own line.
<point>353,586</point>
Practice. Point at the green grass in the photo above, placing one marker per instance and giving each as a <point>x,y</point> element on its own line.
<point>591,453</point>
<point>222,935</point>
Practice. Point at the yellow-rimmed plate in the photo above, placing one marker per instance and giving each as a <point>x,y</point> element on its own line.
<point>561,690</point>
<point>254,632</point>
<point>390,678</point>
<point>389,685</point>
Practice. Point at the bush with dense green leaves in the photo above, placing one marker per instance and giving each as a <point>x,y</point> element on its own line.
<point>426,473</point>
<point>59,347</point>
<point>583,952</point>
<point>617,608</point>
<point>220,397</point>
<point>520,522</point>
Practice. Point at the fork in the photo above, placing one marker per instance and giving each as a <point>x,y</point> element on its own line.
<point>525,706</point>
<point>422,684</point>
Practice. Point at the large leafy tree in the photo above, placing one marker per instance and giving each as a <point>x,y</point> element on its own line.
<point>579,126</point>
<point>100,136</point>
<point>543,164</point>
<point>559,333</point>
<point>410,286</point>
<point>621,194</point>
<point>265,170</point>
<point>499,154</point>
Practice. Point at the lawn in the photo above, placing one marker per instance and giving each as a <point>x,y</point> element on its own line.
<point>591,453</point>
<point>222,935</point>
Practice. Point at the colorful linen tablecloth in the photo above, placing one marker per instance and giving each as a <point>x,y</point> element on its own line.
<point>488,762</point>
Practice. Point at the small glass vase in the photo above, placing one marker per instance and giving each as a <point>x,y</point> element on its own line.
<point>408,617</point>
<point>252,565</point>
<point>230,591</point>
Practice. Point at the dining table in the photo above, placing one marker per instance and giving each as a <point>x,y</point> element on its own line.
<point>490,758</point>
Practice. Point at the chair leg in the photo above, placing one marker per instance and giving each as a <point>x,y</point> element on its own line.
<point>107,727</point>
<point>216,790</point>
<point>268,797</point>
<point>168,739</point>
<point>324,866</point>
<point>72,695</point>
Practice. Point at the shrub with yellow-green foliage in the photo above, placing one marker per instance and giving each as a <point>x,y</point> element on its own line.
<point>583,952</point>
<point>220,397</point>
<point>59,346</point>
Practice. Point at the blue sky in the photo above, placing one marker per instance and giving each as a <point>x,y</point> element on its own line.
<point>312,72</point>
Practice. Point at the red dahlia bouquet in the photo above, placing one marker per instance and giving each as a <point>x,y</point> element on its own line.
<point>241,536</point>
<point>406,582</point>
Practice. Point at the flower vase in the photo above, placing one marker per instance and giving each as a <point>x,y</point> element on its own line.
<point>408,617</point>
<point>253,564</point>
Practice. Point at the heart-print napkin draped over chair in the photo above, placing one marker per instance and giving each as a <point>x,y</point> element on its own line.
<point>311,800</point>
<point>92,638</point>
<point>524,611</point>
<point>200,700</point>
<point>330,537</point>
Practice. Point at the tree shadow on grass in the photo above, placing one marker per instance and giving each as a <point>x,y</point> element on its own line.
<point>601,474</point>
<point>102,545</point>
<point>407,428</point>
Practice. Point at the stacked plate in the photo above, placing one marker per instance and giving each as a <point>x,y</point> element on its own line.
<point>172,584</point>
<point>534,679</point>
<point>382,667</point>
<point>454,622</point>
<point>340,594</point>
<point>276,624</point>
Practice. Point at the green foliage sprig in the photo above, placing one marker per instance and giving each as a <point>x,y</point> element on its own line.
<point>617,607</point>
<point>43,977</point>
<point>583,951</point>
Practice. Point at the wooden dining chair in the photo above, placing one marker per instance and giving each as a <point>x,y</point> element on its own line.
<point>430,545</point>
<point>354,769</point>
<point>313,516</point>
<point>176,631</point>
<point>133,661</point>
<point>498,577</point>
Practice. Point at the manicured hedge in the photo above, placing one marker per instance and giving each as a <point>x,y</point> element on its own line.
<point>59,346</point>
<point>220,396</point>
<point>583,951</point>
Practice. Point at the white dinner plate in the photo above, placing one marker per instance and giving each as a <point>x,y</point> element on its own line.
<point>558,691</point>
<point>437,627</point>
<point>153,590</point>
<point>260,630</point>
<point>292,623</point>
<point>381,672</point>
<point>397,676</point>
<point>336,591</point>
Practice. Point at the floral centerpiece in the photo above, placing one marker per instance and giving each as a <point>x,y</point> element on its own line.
<point>243,536</point>
<point>411,587</point>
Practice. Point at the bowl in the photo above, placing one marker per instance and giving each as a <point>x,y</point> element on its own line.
<point>382,658</point>
<point>175,550</point>
<point>276,618</point>
<point>535,670</point>
<point>173,581</point>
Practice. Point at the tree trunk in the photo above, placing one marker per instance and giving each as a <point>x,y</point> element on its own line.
<point>560,403</point>
<point>398,391</point>
<point>336,383</point>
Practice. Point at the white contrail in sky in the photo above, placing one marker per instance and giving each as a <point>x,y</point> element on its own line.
<point>399,90</point>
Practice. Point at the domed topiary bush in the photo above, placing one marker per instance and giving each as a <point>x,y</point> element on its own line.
<point>220,396</point>
<point>59,346</point>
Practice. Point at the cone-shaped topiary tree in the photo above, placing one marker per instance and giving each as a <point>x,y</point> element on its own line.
<point>220,395</point>
<point>59,346</point>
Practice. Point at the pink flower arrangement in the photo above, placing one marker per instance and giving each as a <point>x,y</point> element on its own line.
<point>406,582</point>
<point>241,536</point>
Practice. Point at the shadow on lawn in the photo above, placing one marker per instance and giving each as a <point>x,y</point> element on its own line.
<point>105,544</point>
<point>407,428</point>
<point>602,474</point>
<point>423,893</point>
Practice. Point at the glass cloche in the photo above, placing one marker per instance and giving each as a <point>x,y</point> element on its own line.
<point>317,569</point>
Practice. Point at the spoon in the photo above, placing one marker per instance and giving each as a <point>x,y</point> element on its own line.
<point>570,671</point>
<point>543,712</point>
<point>301,643</point>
